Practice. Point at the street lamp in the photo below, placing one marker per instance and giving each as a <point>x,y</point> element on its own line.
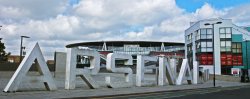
<point>0,29</point>
<point>247,60</point>
<point>206,24</point>
<point>21,47</point>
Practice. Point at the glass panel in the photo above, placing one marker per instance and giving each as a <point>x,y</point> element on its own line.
<point>234,50</point>
<point>234,45</point>
<point>203,49</point>
<point>228,30</point>
<point>222,30</point>
<point>203,31</point>
<point>209,49</point>
<point>239,51</point>
<point>197,35</point>
<point>228,43</point>
<point>222,36</point>
<point>228,35</point>
<point>203,37</point>
<point>238,45</point>
<point>228,48</point>
<point>223,49</point>
<point>209,36</point>
<point>209,31</point>
<point>222,43</point>
<point>209,44</point>
<point>203,44</point>
<point>199,50</point>
<point>198,45</point>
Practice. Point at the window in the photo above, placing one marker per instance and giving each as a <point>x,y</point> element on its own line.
<point>209,49</point>
<point>206,37</point>
<point>203,31</point>
<point>198,46</point>
<point>189,37</point>
<point>203,36</point>
<point>189,48</point>
<point>225,39</point>
<point>225,46</point>
<point>222,30</point>
<point>236,48</point>
<point>226,59</point>
<point>209,36</point>
<point>209,31</point>
<point>237,60</point>
<point>197,37</point>
<point>203,44</point>
<point>205,58</point>
<point>209,44</point>
<point>206,33</point>
<point>226,32</point>
<point>206,46</point>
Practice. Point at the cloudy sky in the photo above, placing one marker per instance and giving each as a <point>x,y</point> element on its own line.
<point>56,23</point>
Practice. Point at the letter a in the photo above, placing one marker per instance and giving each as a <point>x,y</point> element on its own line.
<point>23,68</point>
<point>185,73</point>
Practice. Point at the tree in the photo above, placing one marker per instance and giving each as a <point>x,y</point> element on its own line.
<point>3,54</point>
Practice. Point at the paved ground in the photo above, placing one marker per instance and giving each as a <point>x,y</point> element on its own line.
<point>32,90</point>
<point>229,93</point>
<point>238,92</point>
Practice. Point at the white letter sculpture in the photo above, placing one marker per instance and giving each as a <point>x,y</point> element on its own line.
<point>110,65</point>
<point>140,68</point>
<point>72,71</point>
<point>23,68</point>
<point>195,72</point>
<point>185,69</point>
<point>163,65</point>
<point>173,67</point>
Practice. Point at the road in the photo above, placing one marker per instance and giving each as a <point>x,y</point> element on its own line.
<point>241,92</point>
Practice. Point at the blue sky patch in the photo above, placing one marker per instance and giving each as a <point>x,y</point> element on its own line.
<point>192,5</point>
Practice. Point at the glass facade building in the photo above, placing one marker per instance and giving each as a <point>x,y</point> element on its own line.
<point>221,45</point>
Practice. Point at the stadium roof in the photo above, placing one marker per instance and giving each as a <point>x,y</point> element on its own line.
<point>122,43</point>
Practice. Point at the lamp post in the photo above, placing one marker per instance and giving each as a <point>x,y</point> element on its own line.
<point>247,60</point>
<point>21,47</point>
<point>206,24</point>
<point>0,29</point>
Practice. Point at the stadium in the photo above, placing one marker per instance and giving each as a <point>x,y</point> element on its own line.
<point>134,48</point>
<point>151,48</point>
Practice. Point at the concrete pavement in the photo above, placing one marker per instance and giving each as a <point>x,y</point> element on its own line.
<point>32,90</point>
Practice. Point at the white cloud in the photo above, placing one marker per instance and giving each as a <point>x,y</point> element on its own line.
<point>239,14</point>
<point>12,12</point>
<point>90,7</point>
<point>145,34</point>
<point>26,9</point>
<point>56,23</point>
<point>207,11</point>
